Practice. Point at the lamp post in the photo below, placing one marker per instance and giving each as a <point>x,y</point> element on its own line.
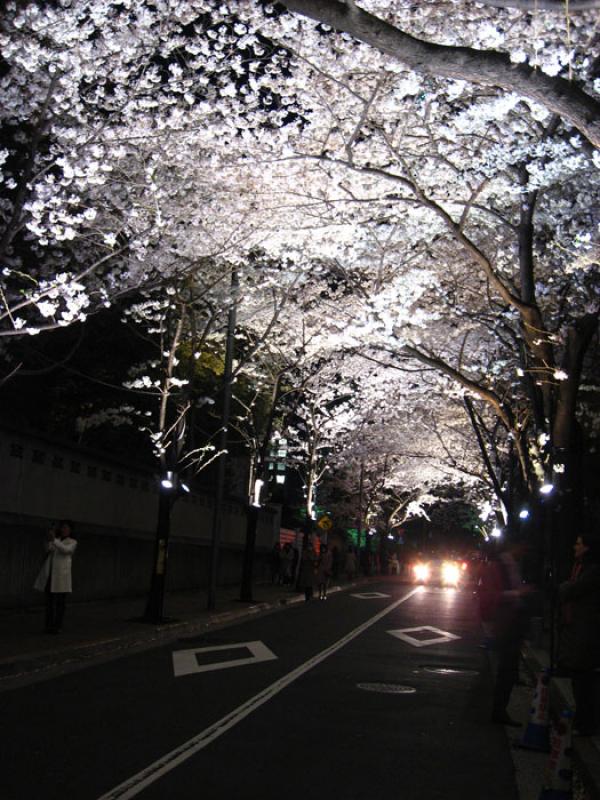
<point>169,490</point>
<point>547,492</point>
<point>253,512</point>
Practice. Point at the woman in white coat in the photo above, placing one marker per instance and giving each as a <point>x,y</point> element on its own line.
<point>54,577</point>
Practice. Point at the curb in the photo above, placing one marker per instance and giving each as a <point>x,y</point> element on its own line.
<point>32,668</point>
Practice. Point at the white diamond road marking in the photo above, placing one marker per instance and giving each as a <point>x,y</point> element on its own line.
<point>147,776</point>
<point>186,663</point>
<point>442,636</point>
<point>370,595</point>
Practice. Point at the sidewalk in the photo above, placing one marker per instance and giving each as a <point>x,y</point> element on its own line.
<point>104,629</point>
<point>586,750</point>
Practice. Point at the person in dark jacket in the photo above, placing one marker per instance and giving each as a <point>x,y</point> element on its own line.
<point>308,566</point>
<point>509,624</point>
<point>275,563</point>
<point>579,631</point>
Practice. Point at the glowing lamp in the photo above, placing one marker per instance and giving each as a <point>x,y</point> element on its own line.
<point>167,481</point>
<point>258,484</point>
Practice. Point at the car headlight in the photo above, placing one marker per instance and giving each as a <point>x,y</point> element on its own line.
<point>422,572</point>
<point>450,573</point>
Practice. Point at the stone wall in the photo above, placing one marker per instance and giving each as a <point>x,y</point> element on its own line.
<point>113,506</point>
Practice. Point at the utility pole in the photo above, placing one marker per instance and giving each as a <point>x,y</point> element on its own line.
<point>222,462</point>
<point>253,512</point>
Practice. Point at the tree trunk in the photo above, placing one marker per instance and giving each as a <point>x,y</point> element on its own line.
<point>567,456</point>
<point>482,67</point>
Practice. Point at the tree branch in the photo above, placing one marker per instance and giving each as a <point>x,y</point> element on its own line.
<point>558,6</point>
<point>486,67</point>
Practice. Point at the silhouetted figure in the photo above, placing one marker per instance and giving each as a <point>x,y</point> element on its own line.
<point>579,631</point>
<point>324,569</point>
<point>308,565</point>
<point>510,624</point>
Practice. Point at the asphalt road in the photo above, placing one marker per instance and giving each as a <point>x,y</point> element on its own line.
<point>342,698</point>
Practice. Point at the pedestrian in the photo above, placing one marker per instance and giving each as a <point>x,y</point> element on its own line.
<point>295,564</point>
<point>275,563</point>
<point>351,563</point>
<point>579,631</point>
<point>509,626</point>
<point>287,562</point>
<point>489,588</point>
<point>54,577</point>
<point>308,564</point>
<point>324,570</point>
<point>394,565</point>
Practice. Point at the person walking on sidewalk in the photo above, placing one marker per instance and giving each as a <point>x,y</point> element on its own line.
<point>324,571</point>
<point>579,631</point>
<point>54,578</point>
<point>308,565</point>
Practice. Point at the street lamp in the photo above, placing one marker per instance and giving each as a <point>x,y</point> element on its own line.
<point>524,513</point>
<point>547,488</point>
<point>170,488</point>
<point>258,485</point>
<point>167,481</point>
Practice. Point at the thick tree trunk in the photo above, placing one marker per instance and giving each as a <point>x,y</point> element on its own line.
<point>566,443</point>
<point>578,340</point>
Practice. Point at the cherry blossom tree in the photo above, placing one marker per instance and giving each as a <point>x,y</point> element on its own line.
<point>472,178</point>
<point>117,119</point>
<point>426,170</point>
<point>475,64</point>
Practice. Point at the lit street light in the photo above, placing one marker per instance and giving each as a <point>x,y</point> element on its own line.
<point>171,487</point>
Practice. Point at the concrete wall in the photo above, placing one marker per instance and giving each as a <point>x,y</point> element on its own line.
<point>114,507</point>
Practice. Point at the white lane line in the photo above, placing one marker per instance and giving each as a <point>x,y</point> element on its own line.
<point>137,783</point>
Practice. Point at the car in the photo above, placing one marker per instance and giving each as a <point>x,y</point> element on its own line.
<point>451,572</point>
